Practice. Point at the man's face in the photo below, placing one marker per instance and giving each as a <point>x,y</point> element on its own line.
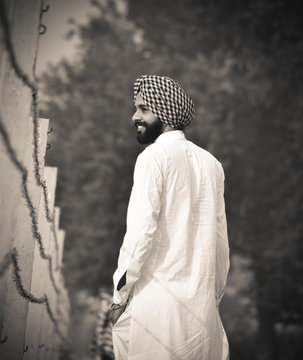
<point>149,127</point>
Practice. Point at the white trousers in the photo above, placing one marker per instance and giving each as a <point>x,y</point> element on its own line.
<point>121,331</point>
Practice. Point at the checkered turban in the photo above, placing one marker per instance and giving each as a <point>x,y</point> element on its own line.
<point>166,99</point>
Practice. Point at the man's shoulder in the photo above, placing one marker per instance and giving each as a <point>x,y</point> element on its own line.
<point>151,151</point>
<point>158,150</point>
<point>149,156</point>
<point>205,153</point>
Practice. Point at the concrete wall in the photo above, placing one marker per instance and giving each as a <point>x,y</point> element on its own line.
<point>19,213</point>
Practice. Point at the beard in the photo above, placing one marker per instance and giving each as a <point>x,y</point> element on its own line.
<point>151,132</point>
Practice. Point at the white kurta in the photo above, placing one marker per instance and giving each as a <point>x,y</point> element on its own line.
<point>175,253</point>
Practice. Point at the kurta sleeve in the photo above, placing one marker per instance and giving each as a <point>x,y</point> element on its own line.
<point>222,248</point>
<point>142,214</point>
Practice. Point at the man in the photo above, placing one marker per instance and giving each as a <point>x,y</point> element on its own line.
<point>174,259</point>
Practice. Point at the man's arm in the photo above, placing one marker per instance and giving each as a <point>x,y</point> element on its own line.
<point>222,251</point>
<point>142,215</point>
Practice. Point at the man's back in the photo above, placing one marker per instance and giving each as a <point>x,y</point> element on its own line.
<point>184,245</point>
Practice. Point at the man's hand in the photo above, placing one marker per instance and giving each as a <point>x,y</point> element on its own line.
<point>116,312</point>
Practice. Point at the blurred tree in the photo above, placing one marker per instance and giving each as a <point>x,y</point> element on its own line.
<point>241,63</point>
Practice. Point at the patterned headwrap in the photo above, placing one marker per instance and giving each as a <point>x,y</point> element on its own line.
<point>166,99</point>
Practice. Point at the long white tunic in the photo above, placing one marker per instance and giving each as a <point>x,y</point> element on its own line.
<point>175,253</point>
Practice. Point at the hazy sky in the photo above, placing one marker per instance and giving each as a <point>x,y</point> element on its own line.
<point>52,45</point>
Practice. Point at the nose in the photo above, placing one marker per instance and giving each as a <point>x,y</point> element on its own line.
<point>136,116</point>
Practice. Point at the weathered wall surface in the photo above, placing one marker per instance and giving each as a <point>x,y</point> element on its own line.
<point>30,277</point>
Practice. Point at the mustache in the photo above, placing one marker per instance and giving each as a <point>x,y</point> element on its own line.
<point>140,123</point>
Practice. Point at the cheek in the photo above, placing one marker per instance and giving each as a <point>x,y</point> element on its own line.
<point>150,119</point>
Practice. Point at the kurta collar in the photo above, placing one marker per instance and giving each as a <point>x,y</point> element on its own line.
<point>171,135</point>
